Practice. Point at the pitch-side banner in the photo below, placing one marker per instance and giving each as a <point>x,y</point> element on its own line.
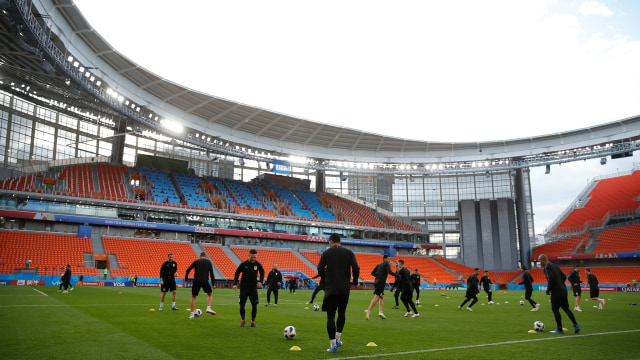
<point>281,167</point>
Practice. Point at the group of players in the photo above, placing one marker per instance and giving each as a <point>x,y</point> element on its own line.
<point>555,287</point>
<point>338,267</point>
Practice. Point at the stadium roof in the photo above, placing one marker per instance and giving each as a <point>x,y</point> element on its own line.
<point>41,42</point>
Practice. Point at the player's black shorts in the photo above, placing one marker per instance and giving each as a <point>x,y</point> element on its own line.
<point>577,291</point>
<point>594,292</point>
<point>168,285</point>
<point>379,288</point>
<point>334,302</point>
<point>195,288</point>
<point>251,294</point>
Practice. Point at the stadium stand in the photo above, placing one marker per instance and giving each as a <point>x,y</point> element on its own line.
<point>162,189</point>
<point>191,191</point>
<point>349,214</point>
<point>608,196</point>
<point>78,180</point>
<point>428,268</point>
<point>311,255</point>
<point>226,266</point>
<point>48,252</point>
<point>561,247</point>
<point>367,263</point>
<point>111,181</point>
<point>286,260</point>
<point>145,257</point>
<point>620,239</point>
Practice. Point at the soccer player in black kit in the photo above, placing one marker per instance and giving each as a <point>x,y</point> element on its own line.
<point>527,281</point>
<point>397,285</point>
<point>252,278</point>
<point>274,279</point>
<point>472,290</point>
<point>486,285</point>
<point>168,281</point>
<point>407,290</point>
<point>336,267</point>
<point>381,271</point>
<point>415,282</point>
<point>203,269</point>
<point>594,287</point>
<point>574,279</point>
<point>558,292</point>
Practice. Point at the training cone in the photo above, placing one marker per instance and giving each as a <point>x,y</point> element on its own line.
<point>532,332</point>
<point>306,308</point>
<point>152,309</point>
<point>372,344</point>
<point>295,348</point>
<point>564,329</point>
<point>436,305</point>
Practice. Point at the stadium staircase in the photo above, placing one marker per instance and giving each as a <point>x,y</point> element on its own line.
<point>305,260</point>
<point>221,258</point>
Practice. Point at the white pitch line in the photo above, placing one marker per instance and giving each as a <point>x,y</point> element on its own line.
<point>484,345</point>
<point>38,291</point>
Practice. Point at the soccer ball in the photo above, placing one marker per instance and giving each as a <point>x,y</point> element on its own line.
<point>197,313</point>
<point>417,302</point>
<point>521,302</point>
<point>289,332</point>
<point>316,307</point>
<point>538,326</point>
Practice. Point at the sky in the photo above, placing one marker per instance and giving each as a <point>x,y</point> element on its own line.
<point>441,71</point>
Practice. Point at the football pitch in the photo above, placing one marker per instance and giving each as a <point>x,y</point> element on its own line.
<point>124,323</point>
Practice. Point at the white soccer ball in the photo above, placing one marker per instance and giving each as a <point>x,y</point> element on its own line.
<point>521,302</point>
<point>538,326</point>
<point>197,313</point>
<point>289,332</point>
<point>316,307</point>
<point>417,302</point>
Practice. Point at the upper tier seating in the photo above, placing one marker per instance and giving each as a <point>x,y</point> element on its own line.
<point>310,199</point>
<point>350,215</point>
<point>191,190</point>
<point>162,188</point>
<point>111,181</point>
<point>298,209</point>
<point>22,183</point>
<point>78,180</point>
<point>145,257</point>
<point>617,193</point>
<point>560,247</point>
<point>47,251</point>
<point>621,239</point>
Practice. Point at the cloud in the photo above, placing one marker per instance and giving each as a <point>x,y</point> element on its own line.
<point>594,8</point>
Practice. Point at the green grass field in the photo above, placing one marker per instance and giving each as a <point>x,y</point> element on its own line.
<point>117,323</point>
